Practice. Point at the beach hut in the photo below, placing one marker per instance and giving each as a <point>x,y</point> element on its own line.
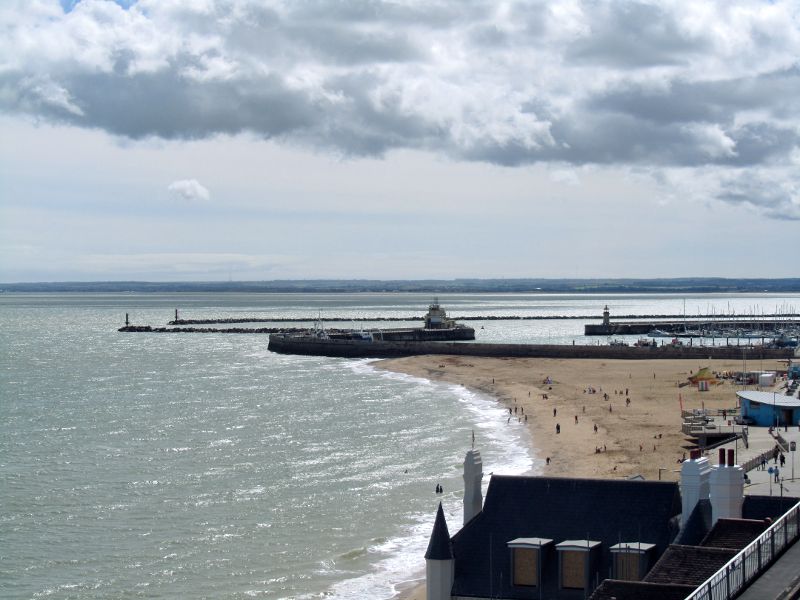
<point>703,379</point>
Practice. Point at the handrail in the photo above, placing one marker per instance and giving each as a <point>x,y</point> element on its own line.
<point>756,460</point>
<point>752,561</point>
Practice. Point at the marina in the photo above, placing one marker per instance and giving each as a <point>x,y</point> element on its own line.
<point>780,330</point>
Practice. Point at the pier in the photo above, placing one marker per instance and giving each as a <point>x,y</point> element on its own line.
<point>288,344</point>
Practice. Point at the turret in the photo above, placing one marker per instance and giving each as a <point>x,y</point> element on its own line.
<point>439,561</point>
<point>473,474</point>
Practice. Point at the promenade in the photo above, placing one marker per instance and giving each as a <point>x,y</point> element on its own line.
<point>761,441</point>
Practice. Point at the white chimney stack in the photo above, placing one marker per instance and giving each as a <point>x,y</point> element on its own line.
<point>473,474</point>
<point>727,489</point>
<point>695,474</point>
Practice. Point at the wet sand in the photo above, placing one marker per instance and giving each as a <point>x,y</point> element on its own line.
<point>577,410</point>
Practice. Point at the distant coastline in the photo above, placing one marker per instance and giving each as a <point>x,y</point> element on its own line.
<point>683,285</point>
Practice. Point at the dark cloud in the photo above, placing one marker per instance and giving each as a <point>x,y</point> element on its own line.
<point>765,194</point>
<point>642,84</point>
<point>630,35</point>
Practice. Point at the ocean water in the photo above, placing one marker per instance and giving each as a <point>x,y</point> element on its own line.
<point>164,466</point>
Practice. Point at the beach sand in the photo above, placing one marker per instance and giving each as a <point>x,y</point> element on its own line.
<point>642,437</point>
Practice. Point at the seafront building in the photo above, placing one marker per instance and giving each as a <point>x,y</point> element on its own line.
<point>548,537</point>
<point>769,409</point>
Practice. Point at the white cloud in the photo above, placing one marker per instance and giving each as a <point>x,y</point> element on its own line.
<point>648,84</point>
<point>189,189</point>
<point>712,140</point>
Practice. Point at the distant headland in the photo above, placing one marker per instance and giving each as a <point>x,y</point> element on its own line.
<point>682,285</point>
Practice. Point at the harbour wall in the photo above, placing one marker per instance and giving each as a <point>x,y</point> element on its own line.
<point>678,327</point>
<point>346,335</point>
<point>351,349</point>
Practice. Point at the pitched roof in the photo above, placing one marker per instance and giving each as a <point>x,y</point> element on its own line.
<point>439,547</point>
<point>613,589</point>
<point>610,511</point>
<point>754,507</point>
<point>734,533</point>
<point>697,526</point>
<point>767,507</point>
<point>689,565</point>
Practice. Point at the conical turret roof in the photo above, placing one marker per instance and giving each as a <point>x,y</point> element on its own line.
<point>439,548</point>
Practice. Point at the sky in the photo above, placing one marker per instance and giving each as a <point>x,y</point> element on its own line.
<point>175,140</point>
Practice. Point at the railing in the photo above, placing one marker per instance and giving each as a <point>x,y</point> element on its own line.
<point>756,460</point>
<point>689,428</point>
<point>711,412</point>
<point>752,561</point>
<point>784,445</point>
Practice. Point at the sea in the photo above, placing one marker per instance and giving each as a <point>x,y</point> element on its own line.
<point>205,466</point>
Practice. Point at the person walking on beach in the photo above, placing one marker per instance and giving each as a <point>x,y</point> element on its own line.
<point>558,428</point>
<point>554,412</point>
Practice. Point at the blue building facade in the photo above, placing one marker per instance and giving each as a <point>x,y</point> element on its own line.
<point>768,409</point>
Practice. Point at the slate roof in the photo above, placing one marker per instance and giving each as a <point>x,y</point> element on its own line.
<point>763,507</point>
<point>754,507</point>
<point>610,511</point>
<point>734,533</point>
<point>700,550</point>
<point>439,547</point>
<point>689,565</point>
<point>697,526</point>
<point>613,589</point>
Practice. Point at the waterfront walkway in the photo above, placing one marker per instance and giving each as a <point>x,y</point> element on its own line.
<point>761,441</point>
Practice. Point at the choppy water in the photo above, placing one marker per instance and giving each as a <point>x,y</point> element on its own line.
<point>166,466</point>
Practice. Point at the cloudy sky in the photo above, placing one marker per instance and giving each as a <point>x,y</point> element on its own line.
<point>228,139</point>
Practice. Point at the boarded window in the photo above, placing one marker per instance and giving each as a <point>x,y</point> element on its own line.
<point>573,573</point>
<point>627,564</point>
<point>526,566</point>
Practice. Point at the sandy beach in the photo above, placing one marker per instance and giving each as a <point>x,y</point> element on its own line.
<point>591,418</point>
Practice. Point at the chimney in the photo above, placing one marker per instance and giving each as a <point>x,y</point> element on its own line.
<point>439,561</point>
<point>695,474</point>
<point>473,474</point>
<point>726,488</point>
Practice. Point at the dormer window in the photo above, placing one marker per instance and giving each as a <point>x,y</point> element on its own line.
<point>578,561</point>
<point>526,560</point>
<point>631,560</point>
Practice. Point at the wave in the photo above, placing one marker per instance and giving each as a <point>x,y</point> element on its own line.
<point>398,561</point>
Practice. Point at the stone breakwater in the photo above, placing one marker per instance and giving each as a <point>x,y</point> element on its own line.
<point>150,329</point>
<point>647,326</point>
<point>287,344</point>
